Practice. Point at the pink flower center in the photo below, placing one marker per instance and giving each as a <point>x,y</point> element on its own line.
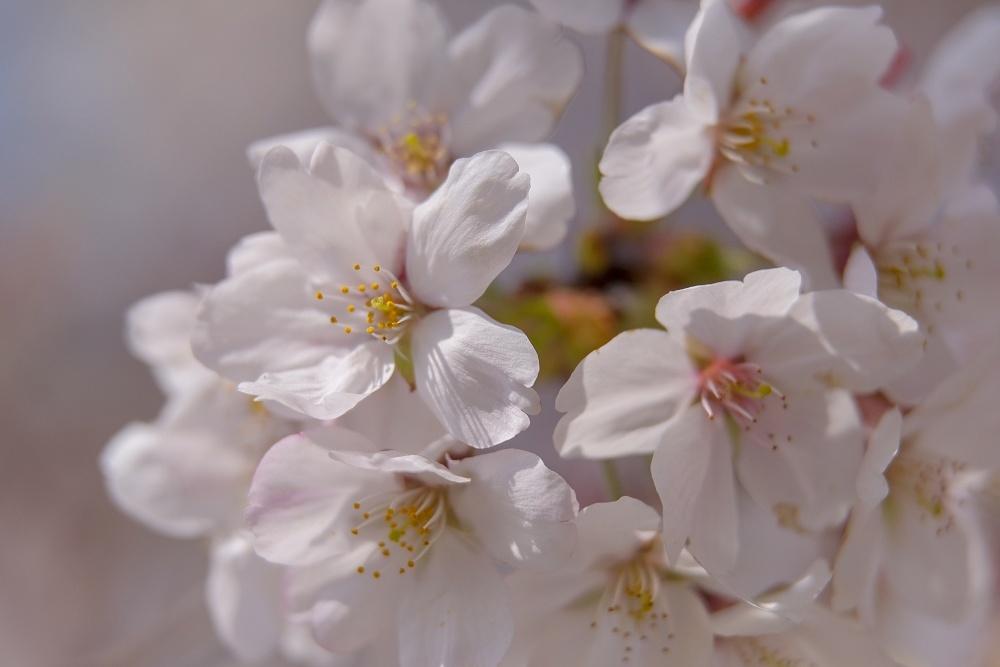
<point>734,388</point>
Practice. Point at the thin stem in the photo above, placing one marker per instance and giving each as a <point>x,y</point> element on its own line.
<point>614,70</point>
<point>611,478</point>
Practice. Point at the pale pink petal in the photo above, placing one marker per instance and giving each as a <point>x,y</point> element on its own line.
<point>840,339</point>
<point>550,200</point>
<point>883,444</point>
<point>459,612</point>
<point>243,594</point>
<point>777,222</point>
<point>475,374</point>
<point>298,500</point>
<point>333,215</point>
<point>519,510</point>
<point>256,249</point>
<point>727,316</point>
<point>158,331</point>
<point>305,142</point>
<point>333,386</point>
<point>654,160</point>
<point>612,532</point>
<point>412,426</point>
<point>693,473</point>
<point>179,482</point>
<point>857,565</point>
<point>713,47</point>
<point>777,611</point>
<point>391,462</point>
<point>514,72</point>
<point>264,319</point>
<point>621,398</point>
<point>860,274</point>
<point>467,232</point>
<point>371,59</point>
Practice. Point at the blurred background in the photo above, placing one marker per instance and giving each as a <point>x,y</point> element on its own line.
<point>122,173</point>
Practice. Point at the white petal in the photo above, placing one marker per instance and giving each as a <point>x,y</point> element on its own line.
<point>412,426</point>
<point>158,331</point>
<point>519,510</point>
<point>959,76</point>
<point>693,473</point>
<point>586,16</point>
<point>659,27</point>
<point>775,612</point>
<point>837,338</point>
<point>713,46</point>
<point>179,482</point>
<point>334,215</point>
<point>514,72</point>
<point>802,462</point>
<point>959,419</point>
<point>305,142</point>
<point>459,612</point>
<point>621,397</point>
<point>654,160</point>
<point>330,388</point>
<point>412,465</point>
<point>612,532</point>
<point>243,594</point>
<point>371,59</point>
<point>256,249</point>
<point>550,200</point>
<point>467,232</point>
<point>883,444</point>
<point>860,274</point>
<point>777,222</point>
<point>264,319</point>
<point>475,374</point>
<point>299,496</point>
<point>856,567</point>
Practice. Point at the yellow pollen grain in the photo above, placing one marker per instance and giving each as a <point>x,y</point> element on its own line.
<point>394,284</point>
<point>402,571</point>
<point>350,308</point>
<point>410,563</point>
<point>376,574</point>
<point>357,267</point>
<point>361,569</point>
<point>354,531</point>
<point>345,289</point>
<point>333,320</point>
<point>357,506</point>
<point>377,267</point>
<point>319,295</point>
<point>385,552</point>
<point>347,329</point>
<point>366,515</point>
<point>370,330</point>
<point>374,285</point>
<point>362,288</point>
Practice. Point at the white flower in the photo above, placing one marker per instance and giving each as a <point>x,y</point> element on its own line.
<point>399,547</point>
<point>410,101</point>
<point>187,473</point>
<point>915,537</point>
<point>749,379</point>
<point>361,289</point>
<point>764,127</point>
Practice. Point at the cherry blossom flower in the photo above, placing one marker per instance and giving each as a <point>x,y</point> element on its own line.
<point>410,101</point>
<point>398,547</point>
<point>915,537</point>
<point>187,473</point>
<point>764,126</point>
<point>364,285</point>
<point>749,379</point>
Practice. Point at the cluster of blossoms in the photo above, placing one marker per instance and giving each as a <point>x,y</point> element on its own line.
<point>820,434</point>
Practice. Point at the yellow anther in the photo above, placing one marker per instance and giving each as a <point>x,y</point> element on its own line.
<point>347,329</point>
<point>350,307</point>
<point>362,288</point>
<point>319,295</point>
<point>374,285</point>
<point>410,563</point>
<point>357,506</point>
<point>370,330</point>
<point>361,569</point>
<point>376,574</point>
<point>357,267</point>
<point>377,267</point>
<point>345,289</point>
<point>354,531</point>
<point>394,284</point>
<point>333,320</point>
